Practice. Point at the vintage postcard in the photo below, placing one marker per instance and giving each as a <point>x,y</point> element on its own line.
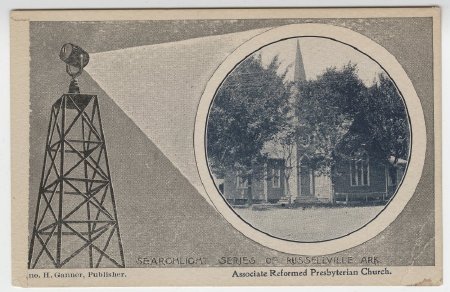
<point>226,147</point>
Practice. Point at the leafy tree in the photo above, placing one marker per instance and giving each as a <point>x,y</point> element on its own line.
<point>386,116</point>
<point>248,110</point>
<point>340,118</point>
<point>334,117</point>
<point>325,108</point>
<point>380,125</point>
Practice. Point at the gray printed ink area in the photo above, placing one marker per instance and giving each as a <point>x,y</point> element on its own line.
<point>160,210</point>
<point>308,139</point>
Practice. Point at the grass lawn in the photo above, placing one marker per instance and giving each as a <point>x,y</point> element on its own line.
<point>310,224</point>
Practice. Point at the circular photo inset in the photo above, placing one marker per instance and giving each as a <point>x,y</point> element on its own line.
<point>307,139</point>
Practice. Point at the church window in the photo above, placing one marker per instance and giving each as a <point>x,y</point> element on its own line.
<point>359,172</point>
<point>276,178</point>
<point>241,181</point>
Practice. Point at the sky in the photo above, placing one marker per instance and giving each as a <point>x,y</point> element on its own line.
<point>319,54</point>
<point>159,88</point>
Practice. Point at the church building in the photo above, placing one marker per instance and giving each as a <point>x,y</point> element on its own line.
<point>291,179</point>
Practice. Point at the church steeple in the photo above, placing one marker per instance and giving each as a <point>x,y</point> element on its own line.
<point>299,69</point>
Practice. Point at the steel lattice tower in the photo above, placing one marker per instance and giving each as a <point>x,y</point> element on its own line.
<point>75,222</point>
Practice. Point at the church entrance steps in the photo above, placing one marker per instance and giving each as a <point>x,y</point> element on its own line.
<point>307,200</point>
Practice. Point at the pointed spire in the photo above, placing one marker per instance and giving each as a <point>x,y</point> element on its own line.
<point>299,69</point>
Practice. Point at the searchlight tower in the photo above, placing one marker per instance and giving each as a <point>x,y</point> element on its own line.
<point>75,223</point>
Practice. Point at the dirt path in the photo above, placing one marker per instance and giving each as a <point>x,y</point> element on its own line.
<point>311,224</point>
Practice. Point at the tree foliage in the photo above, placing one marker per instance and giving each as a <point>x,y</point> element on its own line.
<point>326,108</point>
<point>386,116</point>
<point>334,117</point>
<point>248,110</point>
<point>341,118</point>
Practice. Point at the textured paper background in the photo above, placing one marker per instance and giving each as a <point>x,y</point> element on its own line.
<point>199,229</point>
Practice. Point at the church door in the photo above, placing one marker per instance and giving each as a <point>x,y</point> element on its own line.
<point>305,180</point>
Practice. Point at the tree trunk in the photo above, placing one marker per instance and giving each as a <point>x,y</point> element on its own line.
<point>250,192</point>
<point>287,191</point>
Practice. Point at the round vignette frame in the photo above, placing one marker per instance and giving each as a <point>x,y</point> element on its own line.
<point>417,130</point>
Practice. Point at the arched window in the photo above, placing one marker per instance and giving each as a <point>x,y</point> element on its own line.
<point>360,171</point>
<point>276,177</point>
<point>241,181</point>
